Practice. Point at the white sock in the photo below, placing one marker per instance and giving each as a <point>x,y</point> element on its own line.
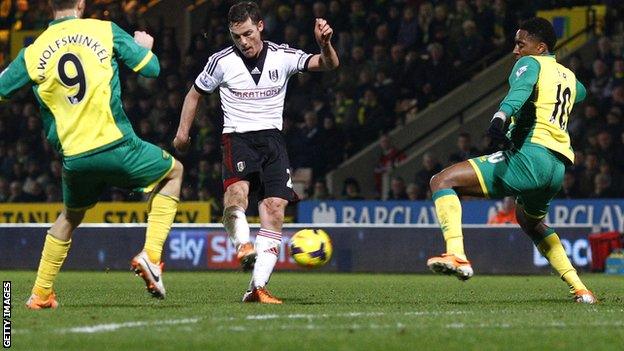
<point>268,249</point>
<point>235,223</point>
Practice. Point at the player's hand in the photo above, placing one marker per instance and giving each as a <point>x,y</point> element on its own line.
<point>322,32</point>
<point>182,143</point>
<point>143,39</point>
<point>496,132</point>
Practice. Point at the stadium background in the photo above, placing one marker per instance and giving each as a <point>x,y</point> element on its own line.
<point>417,85</point>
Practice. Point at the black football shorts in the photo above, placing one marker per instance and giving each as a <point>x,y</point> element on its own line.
<point>259,157</point>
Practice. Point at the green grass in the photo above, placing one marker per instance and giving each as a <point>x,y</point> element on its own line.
<point>321,312</point>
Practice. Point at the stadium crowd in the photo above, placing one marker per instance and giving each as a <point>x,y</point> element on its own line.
<point>396,58</point>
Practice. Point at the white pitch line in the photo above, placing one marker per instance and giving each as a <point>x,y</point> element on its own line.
<point>350,315</point>
<point>102,328</point>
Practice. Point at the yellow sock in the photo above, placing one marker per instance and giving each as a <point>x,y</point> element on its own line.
<point>52,257</point>
<point>552,249</point>
<point>162,210</point>
<point>449,214</point>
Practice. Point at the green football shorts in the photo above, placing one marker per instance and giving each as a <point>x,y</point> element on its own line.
<point>533,174</point>
<point>133,164</point>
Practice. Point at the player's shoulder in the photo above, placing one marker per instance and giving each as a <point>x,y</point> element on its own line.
<point>282,48</point>
<point>222,53</point>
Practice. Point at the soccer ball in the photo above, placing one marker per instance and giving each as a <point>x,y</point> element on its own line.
<point>311,248</point>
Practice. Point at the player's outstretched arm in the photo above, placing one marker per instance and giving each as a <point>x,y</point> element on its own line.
<point>327,59</point>
<point>136,51</point>
<point>182,140</point>
<point>13,77</point>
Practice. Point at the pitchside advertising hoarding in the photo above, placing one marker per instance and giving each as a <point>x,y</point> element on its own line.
<point>606,215</point>
<point>357,248</point>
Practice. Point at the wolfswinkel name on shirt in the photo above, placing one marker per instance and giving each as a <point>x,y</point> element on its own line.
<point>255,94</point>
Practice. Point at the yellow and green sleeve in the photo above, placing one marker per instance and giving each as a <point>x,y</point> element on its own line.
<point>522,81</point>
<point>138,58</point>
<point>14,77</point>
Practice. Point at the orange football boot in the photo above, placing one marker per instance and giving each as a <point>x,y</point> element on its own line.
<point>246,255</point>
<point>450,264</point>
<point>261,295</point>
<point>37,303</point>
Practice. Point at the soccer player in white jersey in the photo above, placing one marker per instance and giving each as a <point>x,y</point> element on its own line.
<point>252,76</point>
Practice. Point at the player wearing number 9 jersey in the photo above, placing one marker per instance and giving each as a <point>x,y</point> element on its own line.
<point>73,66</point>
<point>531,165</point>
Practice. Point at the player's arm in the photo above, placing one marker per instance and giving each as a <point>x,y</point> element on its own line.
<point>13,77</point>
<point>327,59</point>
<point>136,52</point>
<point>205,83</point>
<point>581,92</point>
<point>521,84</point>
<point>182,140</point>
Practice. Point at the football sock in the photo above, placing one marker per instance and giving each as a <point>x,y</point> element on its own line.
<point>449,214</point>
<point>552,249</point>
<point>268,249</point>
<point>52,257</point>
<point>235,223</point>
<point>162,210</point>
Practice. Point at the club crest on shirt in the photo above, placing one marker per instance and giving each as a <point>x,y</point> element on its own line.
<point>240,166</point>
<point>273,75</point>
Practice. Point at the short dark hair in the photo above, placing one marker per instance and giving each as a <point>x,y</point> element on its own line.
<point>541,29</point>
<point>58,5</point>
<point>241,11</point>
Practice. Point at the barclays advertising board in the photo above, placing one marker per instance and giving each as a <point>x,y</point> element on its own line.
<point>606,214</point>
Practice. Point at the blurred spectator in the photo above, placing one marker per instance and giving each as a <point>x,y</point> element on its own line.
<point>590,170</point>
<point>602,187</point>
<point>320,191</point>
<point>4,190</point>
<point>397,189</point>
<point>470,45</point>
<point>507,213</point>
<point>414,192</point>
<point>351,190</point>
<point>16,193</point>
<point>600,80</point>
<point>569,189</point>
<point>431,166</point>
<point>389,158</point>
<point>465,150</point>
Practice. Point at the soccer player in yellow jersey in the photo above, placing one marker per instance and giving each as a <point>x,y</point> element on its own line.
<point>532,163</point>
<point>73,67</point>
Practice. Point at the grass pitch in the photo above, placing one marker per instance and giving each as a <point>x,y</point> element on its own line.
<point>112,311</point>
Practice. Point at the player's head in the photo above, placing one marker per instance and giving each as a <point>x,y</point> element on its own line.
<point>535,37</point>
<point>246,26</point>
<point>63,5</point>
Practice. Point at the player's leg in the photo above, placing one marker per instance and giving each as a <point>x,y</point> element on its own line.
<point>241,163</point>
<point>276,192</point>
<point>530,212</point>
<point>235,202</point>
<point>55,249</point>
<point>80,192</point>
<point>459,179</point>
<point>145,167</point>
<point>268,243</point>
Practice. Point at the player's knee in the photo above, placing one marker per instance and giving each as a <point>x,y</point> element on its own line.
<point>437,182</point>
<point>236,192</point>
<point>275,208</point>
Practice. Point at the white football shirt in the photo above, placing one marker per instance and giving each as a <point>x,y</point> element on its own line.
<point>252,91</point>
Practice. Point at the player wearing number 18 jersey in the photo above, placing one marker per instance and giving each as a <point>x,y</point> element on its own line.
<point>73,66</point>
<point>532,163</point>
